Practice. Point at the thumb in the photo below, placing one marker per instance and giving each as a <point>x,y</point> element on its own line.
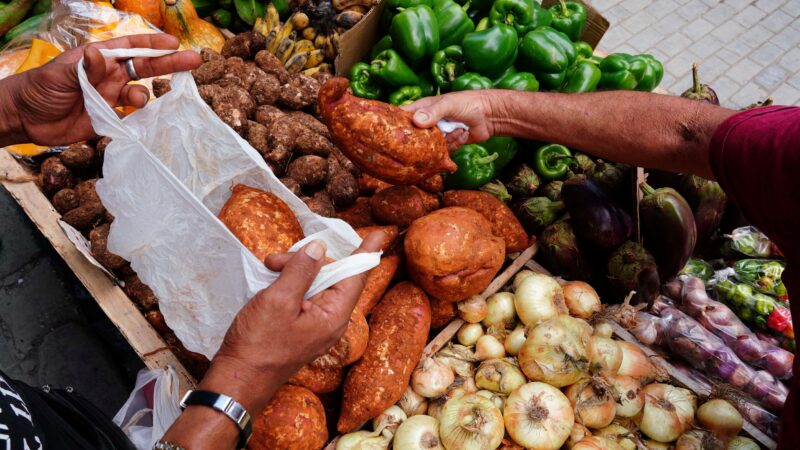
<point>427,111</point>
<point>94,64</point>
<point>299,272</point>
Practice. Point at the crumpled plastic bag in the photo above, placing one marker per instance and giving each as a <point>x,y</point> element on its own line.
<point>151,408</point>
<point>167,173</point>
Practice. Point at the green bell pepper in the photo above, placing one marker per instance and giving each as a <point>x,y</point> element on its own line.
<point>569,18</point>
<point>415,33</point>
<point>517,13</point>
<point>446,66</point>
<point>491,51</point>
<point>454,23</point>
<point>407,3</point>
<point>548,54</point>
<point>390,68</point>
<point>582,77</point>
<point>384,43</point>
<point>506,148</point>
<point>541,17</point>
<point>628,72</point>
<point>475,167</point>
<point>481,25</point>
<point>507,72</point>
<point>647,70</point>
<point>363,82</point>
<point>477,8</point>
<point>583,49</point>
<point>405,95</point>
<point>471,81</point>
<point>552,161</point>
<point>519,81</point>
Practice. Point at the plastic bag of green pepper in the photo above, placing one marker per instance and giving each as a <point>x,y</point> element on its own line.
<point>751,242</point>
<point>764,275</point>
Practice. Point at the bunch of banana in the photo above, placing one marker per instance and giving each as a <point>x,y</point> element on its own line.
<point>297,43</point>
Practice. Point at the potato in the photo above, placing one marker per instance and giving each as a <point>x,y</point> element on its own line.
<point>55,176</point>
<point>504,223</point>
<point>261,221</point>
<point>293,420</point>
<point>318,380</point>
<point>99,247</point>
<point>401,205</point>
<point>452,253</point>
<point>66,200</point>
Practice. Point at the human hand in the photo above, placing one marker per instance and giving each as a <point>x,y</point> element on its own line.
<point>278,332</point>
<point>47,102</point>
<point>472,108</point>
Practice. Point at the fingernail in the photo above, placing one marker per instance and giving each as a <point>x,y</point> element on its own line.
<point>144,98</point>
<point>421,116</point>
<point>315,250</point>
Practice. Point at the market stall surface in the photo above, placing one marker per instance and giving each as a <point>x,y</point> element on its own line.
<point>51,330</point>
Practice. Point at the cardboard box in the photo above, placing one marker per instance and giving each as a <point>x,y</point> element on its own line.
<point>355,44</point>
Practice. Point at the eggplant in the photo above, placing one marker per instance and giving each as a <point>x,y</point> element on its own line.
<point>700,92</point>
<point>560,254</point>
<point>609,175</point>
<point>582,163</point>
<point>523,181</point>
<point>668,229</point>
<point>536,213</point>
<point>597,217</point>
<point>632,268</point>
<point>707,200</point>
<point>552,190</point>
<point>497,189</point>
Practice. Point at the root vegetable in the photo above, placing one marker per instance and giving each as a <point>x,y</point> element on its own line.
<point>265,89</point>
<point>620,435</point>
<point>488,347</point>
<point>231,115</point>
<point>292,185</point>
<point>368,185</point>
<point>310,122</point>
<point>281,139</point>
<point>362,440</point>
<point>308,142</point>
<point>698,440</point>
<point>515,340</point>
<point>266,115</point>
<point>635,363</point>
<point>350,346</point>
<point>539,298</point>
<point>520,277</point>
<point>473,309</point>
<point>341,186</point>
<point>140,293</point>
<point>668,412</point>
<point>581,299</point>
<point>321,204</point>
<point>499,375</point>
<point>294,418</point>
<point>401,205</point>
<point>432,378</point>
<point>412,403</point>
<point>596,443</point>
<point>162,85</point>
<point>434,184</point>
<point>99,248</point>
<point>742,443</point>
<point>308,170</point>
<point>538,416</point>
<point>457,357</point>
<point>78,156</point>
<point>556,351</point>
<point>628,395</point>
<point>577,434</point>
<point>504,223</point>
<point>358,215</point>
<point>720,417</point>
<point>442,313</point>
<point>65,200</point>
<point>387,422</point>
<point>209,72</point>
<point>86,216</point>
<point>317,380</point>
<point>55,176</point>
<point>605,356</point>
<point>377,282</point>
<point>471,422</point>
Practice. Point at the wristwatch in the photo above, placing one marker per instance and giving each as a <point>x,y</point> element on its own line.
<point>226,405</point>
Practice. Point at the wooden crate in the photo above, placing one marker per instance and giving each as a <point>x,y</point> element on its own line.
<point>122,312</point>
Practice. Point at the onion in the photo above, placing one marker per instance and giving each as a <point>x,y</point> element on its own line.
<point>388,421</point>
<point>469,333</point>
<point>628,395</point>
<point>742,443</point>
<point>668,412</point>
<point>435,406</point>
<point>539,416</point>
<point>635,363</point>
<point>499,375</point>
<point>471,422</point>
<point>619,434</point>
<point>720,417</point>
<point>594,406</point>
<point>457,357</point>
<point>515,340</point>
<point>605,356</point>
<point>603,329</point>
<point>596,443</point>
<point>577,433</point>
<point>418,433</point>
<point>581,299</point>
<point>462,385</point>
<point>362,440</point>
<point>655,445</point>
<point>473,309</point>
<point>521,276</point>
<point>555,351</point>
<point>538,298</point>
<point>697,440</point>
<point>412,403</point>
<point>488,347</point>
<point>500,311</point>
<point>432,378</point>
<point>497,399</point>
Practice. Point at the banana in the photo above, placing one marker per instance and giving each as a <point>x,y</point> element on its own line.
<point>315,58</point>
<point>271,16</point>
<point>271,38</point>
<point>260,26</point>
<point>285,46</point>
<point>330,46</point>
<point>299,20</point>
<point>283,32</point>
<point>309,33</point>
<point>296,62</point>
<point>319,41</point>
<point>348,19</point>
<point>303,45</point>
<point>322,68</point>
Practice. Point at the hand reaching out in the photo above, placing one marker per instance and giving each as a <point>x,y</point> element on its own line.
<point>470,107</point>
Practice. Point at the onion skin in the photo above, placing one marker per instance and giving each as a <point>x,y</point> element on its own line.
<point>596,443</point>
<point>555,351</point>
<point>362,440</point>
<point>500,311</point>
<point>488,347</point>
<point>603,329</point>
<point>473,309</point>
<point>742,443</point>
<point>635,363</point>
<point>412,403</point>
<point>431,379</point>
<point>460,417</point>
<point>594,405</point>
<point>515,340</point>
<point>577,434</point>
<point>538,416</point>
<point>499,375</point>
<point>628,395</point>
<point>668,412</point>
<point>388,421</point>
<point>469,333</point>
<point>605,356</point>
<point>720,417</point>
<point>418,433</point>
<point>520,277</point>
<point>539,298</point>
<point>698,440</point>
<point>581,299</point>
<point>620,435</point>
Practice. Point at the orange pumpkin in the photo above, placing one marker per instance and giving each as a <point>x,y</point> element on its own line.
<point>149,9</point>
<point>181,20</point>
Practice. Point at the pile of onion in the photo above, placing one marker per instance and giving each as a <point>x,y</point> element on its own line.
<point>594,406</point>
<point>538,416</point>
<point>556,351</point>
<point>471,422</point>
<point>581,299</point>
<point>668,412</point>
<point>539,298</point>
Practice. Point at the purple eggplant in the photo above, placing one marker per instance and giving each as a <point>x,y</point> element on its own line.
<point>632,268</point>
<point>597,218</point>
<point>700,92</point>
<point>707,200</point>
<point>668,229</point>
<point>560,254</point>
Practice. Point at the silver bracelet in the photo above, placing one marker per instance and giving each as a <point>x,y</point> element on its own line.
<point>164,445</point>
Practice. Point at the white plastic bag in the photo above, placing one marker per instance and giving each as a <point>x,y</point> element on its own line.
<point>144,425</point>
<point>167,173</point>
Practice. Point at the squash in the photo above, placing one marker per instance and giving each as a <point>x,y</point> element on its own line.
<point>181,20</point>
<point>150,10</point>
<point>41,52</point>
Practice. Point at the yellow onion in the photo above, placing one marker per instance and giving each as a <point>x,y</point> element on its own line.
<point>555,351</point>
<point>521,276</point>
<point>628,395</point>
<point>500,311</point>
<point>655,445</point>
<point>538,416</point>
<point>668,412</point>
<point>418,433</point>
<point>539,298</point>
<point>635,363</point>
<point>388,421</point>
<point>594,406</point>
<point>362,440</point>
<point>412,403</point>
<point>499,400</point>
<point>577,433</point>
<point>499,375</point>
<point>697,440</point>
<point>720,417</point>
<point>515,340</point>
<point>742,443</point>
<point>469,333</point>
<point>488,347</point>
<point>581,299</point>
<point>457,357</point>
<point>473,309</point>
<point>462,385</point>
<point>432,378</point>
<point>604,329</point>
<point>619,434</point>
<point>605,356</point>
<point>596,443</point>
<point>470,422</point>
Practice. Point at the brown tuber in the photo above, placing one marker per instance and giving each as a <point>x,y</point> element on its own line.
<point>321,204</point>
<point>161,86</point>
<point>308,142</point>
<point>99,246</point>
<point>209,72</point>
<point>281,138</point>
<point>232,116</point>
<point>55,176</point>
<point>208,92</point>
<point>65,200</point>
<point>266,89</point>
<point>401,205</point>
<point>266,115</point>
<point>235,96</point>
<point>257,136</point>
<point>308,170</point>
<point>293,419</point>
<point>312,123</point>
<point>341,186</point>
<point>140,293</point>
<point>300,92</point>
<point>292,185</point>
<point>244,45</point>
<point>207,54</point>
<point>270,64</point>
<point>78,156</point>
<point>86,216</point>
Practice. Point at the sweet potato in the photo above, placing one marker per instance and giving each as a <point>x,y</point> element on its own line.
<point>401,205</point>
<point>293,420</point>
<point>99,245</point>
<point>504,223</point>
<point>390,234</point>
<point>55,176</point>
<point>350,346</point>
<point>434,184</point>
<point>399,328</point>
<point>358,215</point>
<point>317,380</point>
<point>261,221</point>
<point>442,313</point>
<point>369,185</point>
<point>452,253</point>
<point>378,279</point>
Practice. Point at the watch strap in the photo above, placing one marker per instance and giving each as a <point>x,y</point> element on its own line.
<point>226,405</point>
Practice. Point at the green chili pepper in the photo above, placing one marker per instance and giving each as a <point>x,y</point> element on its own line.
<point>453,21</point>
<point>582,77</point>
<point>491,51</point>
<point>384,43</point>
<point>517,13</point>
<point>548,54</point>
<point>405,95</point>
<point>506,148</point>
<point>475,167</point>
<point>519,81</point>
<point>569,18</point>
<point>446,66</point>
<point>552,161</point>
<point>583,49</point>
<point>471,81</point>
<point>415,33</point>
<point>389,67</point>
<point>363,82</point>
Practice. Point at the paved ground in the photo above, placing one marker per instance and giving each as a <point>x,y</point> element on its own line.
<point>747,49</point>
